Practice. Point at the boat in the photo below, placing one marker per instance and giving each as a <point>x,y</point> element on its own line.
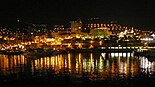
<point>2,51</point>
<point>11,52</point>
<point>140,52</point>
<point>39,52</point>
<point>150,53</point>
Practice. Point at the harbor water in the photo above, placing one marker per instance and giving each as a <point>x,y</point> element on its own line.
<point>115,68</point>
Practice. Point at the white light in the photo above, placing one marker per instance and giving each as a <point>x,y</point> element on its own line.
<point>144,63</point>
<point>121,54</point>
<point>153,35</point>
<point>103,55</point>
<point>147,39</point>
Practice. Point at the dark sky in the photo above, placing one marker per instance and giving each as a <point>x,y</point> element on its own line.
<point>138,13</point>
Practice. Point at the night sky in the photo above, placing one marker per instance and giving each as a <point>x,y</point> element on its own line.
<point>137,13</point>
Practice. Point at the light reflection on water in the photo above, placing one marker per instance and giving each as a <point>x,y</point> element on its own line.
<point>102,66</point>
<point>147,67</point>
<point>11,64</point>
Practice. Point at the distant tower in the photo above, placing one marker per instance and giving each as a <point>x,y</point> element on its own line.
<point>76,26</point>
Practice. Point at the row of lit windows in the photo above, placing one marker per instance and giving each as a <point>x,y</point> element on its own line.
<point>58,25</point>
<point>58,28</point>
<point>102,25</point>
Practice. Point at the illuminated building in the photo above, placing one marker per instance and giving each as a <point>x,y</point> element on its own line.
<point>76,26</point>
<point>102,32</point>
<point>58,27</point>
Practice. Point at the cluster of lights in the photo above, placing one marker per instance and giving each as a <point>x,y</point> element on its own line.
<point>147,39</point>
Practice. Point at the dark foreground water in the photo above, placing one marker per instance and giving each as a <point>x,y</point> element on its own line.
<point>78,70</point>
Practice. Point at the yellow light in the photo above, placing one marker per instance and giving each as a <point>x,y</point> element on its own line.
<point>91,46</point>
<point>100,42</point>
<point>69,45</point>
<point>50,39</point>
<point>80,45</point>
<point>91,41</point>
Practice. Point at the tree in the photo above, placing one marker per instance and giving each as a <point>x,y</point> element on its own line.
<point>99,33</point>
